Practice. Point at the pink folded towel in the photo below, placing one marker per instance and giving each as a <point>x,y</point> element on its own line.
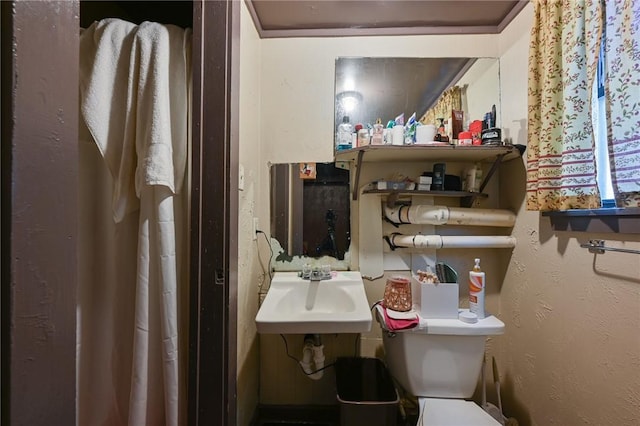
<point>396,324</point>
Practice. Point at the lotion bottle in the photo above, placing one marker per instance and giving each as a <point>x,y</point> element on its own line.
<point>476,290</point>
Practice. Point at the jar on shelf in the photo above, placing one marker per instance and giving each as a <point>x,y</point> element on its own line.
<point>397,294</point>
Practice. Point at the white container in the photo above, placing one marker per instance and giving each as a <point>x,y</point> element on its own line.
<point>476,290</point>
<point>439,300</point>
<point>363,137</point>
<point>425,133</point>
<point>397,135</point>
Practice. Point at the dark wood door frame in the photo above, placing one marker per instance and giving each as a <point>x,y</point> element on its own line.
<point>39,215</point>
<point>39,205</point>
<point>214,214</point>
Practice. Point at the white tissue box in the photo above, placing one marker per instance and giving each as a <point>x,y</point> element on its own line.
<point>436,300</point>
<point>396,186</point>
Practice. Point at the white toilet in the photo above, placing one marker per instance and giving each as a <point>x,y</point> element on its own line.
<point>440,364</point>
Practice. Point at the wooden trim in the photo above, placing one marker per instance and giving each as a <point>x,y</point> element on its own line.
<point>214,221</point>
<point>279,229</point>
<point>383,31</point>
<point>6,95</point>
<point>195,254</point>
<point>297,415</point>
<point>373,32</point>
<point>512,14</point>
<point>39,211</point>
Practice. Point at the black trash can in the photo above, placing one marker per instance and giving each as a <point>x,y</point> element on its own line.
<point>366,393</point>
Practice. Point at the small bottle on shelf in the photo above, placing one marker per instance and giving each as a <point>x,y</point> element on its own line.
<point>344,138</point>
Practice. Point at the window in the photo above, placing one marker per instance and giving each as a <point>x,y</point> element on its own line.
<point>599,119</point>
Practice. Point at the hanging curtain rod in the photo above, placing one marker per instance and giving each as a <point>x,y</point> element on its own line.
<point>598,247</point>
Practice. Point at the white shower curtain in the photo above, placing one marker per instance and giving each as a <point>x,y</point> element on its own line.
<point>133,288</point>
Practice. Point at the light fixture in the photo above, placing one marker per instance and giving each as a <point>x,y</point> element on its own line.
<point>349,100</point>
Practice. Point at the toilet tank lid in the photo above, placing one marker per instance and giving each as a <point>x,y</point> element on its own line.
<point>487,326</point>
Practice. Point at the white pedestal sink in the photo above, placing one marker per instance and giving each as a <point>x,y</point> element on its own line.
<point>294,305</point>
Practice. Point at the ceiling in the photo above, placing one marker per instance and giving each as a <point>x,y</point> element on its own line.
<point>327,18</point>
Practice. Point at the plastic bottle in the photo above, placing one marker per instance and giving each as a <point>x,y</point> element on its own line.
<point>472,178</point>
<point>478,179</point>
<point>476,290</point>
<point>469,179</point>
<point>378,133</point>
<point>345,130</point>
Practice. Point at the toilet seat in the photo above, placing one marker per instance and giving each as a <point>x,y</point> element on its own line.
<point>452,412</point>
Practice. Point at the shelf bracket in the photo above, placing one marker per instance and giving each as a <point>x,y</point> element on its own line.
<point>468,201</point>
<point>356,184</point>
<point>392,198</point>
<point>492,170</point>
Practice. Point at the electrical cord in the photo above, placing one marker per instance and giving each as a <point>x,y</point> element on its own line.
<point>270,251</point>
<point>286,346</point>
<point>268,270</point>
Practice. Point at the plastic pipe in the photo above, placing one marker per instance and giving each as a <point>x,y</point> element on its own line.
<point>318,360</point>
<point>445,241</point>
<point>443,215</point>
<point>317,352</point>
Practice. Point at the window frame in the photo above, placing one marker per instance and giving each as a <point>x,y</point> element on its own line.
<point>602,220</point>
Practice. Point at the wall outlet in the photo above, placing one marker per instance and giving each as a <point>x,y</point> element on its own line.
<point>255,229</point>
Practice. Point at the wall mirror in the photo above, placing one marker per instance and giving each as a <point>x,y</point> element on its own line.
<point>310,217</point>
<point>370,88</point>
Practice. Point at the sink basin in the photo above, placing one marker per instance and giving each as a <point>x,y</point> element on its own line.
<point>299,306</point>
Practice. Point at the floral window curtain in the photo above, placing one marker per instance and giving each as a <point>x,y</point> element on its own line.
<point>561,171</point>
<point>622,90</point>
<point>450,100</point>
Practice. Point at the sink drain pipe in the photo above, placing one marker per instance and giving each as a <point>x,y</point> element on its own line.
<point>313,348</point>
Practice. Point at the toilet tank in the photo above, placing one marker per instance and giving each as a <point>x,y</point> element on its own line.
<point>441,361</point>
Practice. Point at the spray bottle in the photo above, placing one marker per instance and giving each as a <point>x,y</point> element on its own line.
<point>476,290</point>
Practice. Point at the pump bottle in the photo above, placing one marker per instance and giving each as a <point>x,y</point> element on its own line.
<point>476,290</point>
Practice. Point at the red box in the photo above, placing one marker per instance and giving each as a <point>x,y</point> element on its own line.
<point>476,132</point>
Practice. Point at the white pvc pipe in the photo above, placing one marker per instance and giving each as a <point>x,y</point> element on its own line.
<point>443,215</point>
<point>308,351</point>
<point>445,241</point>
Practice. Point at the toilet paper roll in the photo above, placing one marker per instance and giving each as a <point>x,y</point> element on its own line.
<point>397,135</point>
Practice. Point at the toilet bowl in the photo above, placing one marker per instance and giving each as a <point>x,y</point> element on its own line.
<point>440,364</point>
<point>452,412</point>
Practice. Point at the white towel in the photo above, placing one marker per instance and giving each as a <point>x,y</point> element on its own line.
<point>134,84</point>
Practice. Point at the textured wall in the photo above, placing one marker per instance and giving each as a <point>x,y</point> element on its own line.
<point>250,202</point>
<point>571,354</point>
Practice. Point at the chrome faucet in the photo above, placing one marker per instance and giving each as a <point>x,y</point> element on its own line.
<point>315,273</point>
